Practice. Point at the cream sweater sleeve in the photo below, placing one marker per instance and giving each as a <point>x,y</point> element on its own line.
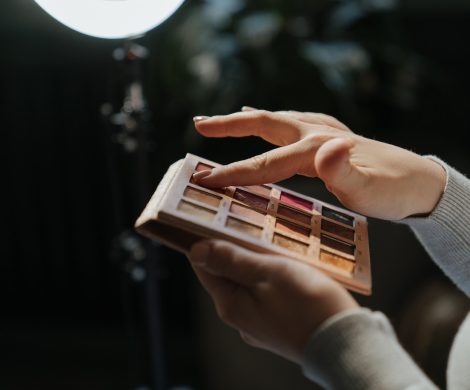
<point>358,349</point>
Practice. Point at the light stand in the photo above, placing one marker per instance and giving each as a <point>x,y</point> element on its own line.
<point>139,259</point>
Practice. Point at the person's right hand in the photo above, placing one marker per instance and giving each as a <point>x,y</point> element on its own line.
<point>367,176</point>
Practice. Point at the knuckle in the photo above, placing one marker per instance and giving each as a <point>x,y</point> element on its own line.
<point>261,161</point>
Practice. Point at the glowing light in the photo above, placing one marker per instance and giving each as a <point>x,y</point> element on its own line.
<point>111,18</point>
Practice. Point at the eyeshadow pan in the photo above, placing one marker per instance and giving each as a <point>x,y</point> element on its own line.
<point>203,167</point>
<point>294,214</point>
<point>337,216</point>
<point>339,230</point>
<point>337,261</point>
<point>252,200</point>
<point>337,244</point>
<point>296,201</point>
<point>197,211</point>
<point>247,212</point>
<point>296,230</point>
<point>290,244</point>
<point>260,190</point>
<point>202,196</point>
<point>244,227</point>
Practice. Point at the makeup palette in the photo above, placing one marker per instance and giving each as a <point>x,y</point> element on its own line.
<point>264,218</point>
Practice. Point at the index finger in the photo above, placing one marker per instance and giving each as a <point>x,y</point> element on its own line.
<point>274,128</point>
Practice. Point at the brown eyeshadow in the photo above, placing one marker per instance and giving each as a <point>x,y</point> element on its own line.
<point>203,167</point>
<point>197,211</point>
<point>337,244</point>
<point>252,200</point>
<point>337,261</point>
<point>294,215</point>
<point>260,190</point>
<point>296,230</point>
<point>202,196</point>
<point>290,244</point>
<point>247,212</point>
<point>337,216</point>
<point>244,227</point>
<point>339,230</point>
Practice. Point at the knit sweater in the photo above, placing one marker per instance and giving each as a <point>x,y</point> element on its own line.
<point>358,349</point>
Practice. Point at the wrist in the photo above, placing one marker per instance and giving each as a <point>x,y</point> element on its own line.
<point>428,186</point>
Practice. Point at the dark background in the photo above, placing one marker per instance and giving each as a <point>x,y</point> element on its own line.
<point>69,319</point>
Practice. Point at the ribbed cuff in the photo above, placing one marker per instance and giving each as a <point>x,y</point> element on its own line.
<point>445,233</point>
<point>357,349</point>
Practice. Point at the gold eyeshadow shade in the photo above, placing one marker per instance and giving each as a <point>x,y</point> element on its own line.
<point>290,244</point>
<point>202,196</point>
<point>196,211</point>
<point>247,212</point>
<point>337,261</point>
<point>244,227</point>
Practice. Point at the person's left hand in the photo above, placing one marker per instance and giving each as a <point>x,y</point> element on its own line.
<point>274,302</point>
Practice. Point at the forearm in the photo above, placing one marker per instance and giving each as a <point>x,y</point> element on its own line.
<point>445,233</point>
<point>358,350</point>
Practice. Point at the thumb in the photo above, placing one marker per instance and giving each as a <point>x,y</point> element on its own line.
<point>334,167</point>
<point>230,262</point>
<point>270,167</point>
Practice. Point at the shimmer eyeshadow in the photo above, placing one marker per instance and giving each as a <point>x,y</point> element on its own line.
<point>197,211</point>
<point>260,190</point>
<point>337,261</point>
<point>244,227</point>
<point>252,200</point>
<point>247,212</point>
<point>203,167</point>
<point>290,244</point>
<point>339,230</point>
<point>296,230</point>
<point>295,201</point>
<point>337,244</point>
<point>202,196</point>
<point>337,216</point>
<point>295,215</point>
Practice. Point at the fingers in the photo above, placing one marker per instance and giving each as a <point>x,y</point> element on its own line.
<point>274,128</point>
<point>269,167</point>
<point>309,117</point>
<point>220,259</point>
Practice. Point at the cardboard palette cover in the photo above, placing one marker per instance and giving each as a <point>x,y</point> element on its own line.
<point>264,218</point>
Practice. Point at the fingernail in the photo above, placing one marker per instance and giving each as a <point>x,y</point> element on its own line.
<point>201,175</point>
<point>199,252</point>
<point>200,118</point>
<point>248,108</point>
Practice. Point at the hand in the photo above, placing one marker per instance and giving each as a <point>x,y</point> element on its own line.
<point>367,176</point>
<point>274,302</point>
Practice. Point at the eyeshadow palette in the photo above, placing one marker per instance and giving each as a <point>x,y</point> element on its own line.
<point>264,218</point>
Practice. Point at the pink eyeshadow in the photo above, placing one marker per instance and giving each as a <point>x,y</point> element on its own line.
<point>295,201</point>
<point>252,200</point>
<point>203,167</point>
